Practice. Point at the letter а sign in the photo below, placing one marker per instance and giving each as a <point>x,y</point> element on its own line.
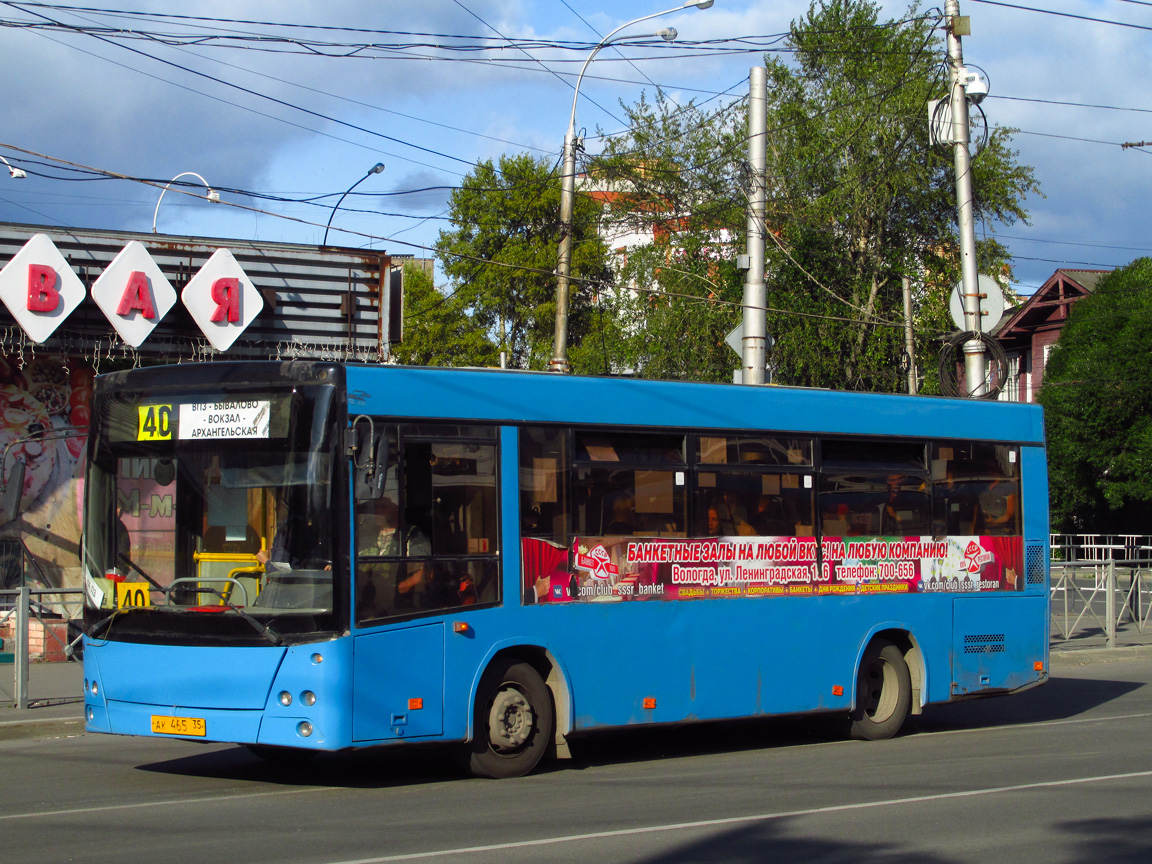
<point>133,294</point>
<point>222,299</point>
<point>39,288</point>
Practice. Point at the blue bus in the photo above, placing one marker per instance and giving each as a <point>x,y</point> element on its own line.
<point>302,556</point>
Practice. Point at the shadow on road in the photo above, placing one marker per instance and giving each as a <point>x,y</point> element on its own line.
<point>768,841</point>
<point>382,767</point>
<point>1059,699</point>
<point>1112,841</point>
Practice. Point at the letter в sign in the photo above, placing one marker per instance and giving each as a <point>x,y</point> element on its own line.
<point>39,288</point>
<point>42,293</point>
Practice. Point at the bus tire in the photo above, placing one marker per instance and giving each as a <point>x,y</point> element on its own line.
<point>883,693</point>
<point>513,721</point>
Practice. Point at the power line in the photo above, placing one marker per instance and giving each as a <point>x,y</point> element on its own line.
<point>1063,14</point>
<point>277,101</point>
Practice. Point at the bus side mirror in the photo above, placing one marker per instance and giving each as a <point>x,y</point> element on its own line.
<point>369,453</point>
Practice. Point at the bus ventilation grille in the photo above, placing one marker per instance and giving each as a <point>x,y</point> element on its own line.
<point>989,643</point>
<point>1034,565</point>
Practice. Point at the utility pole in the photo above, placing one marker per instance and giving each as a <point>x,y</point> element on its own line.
<point>969,276</point>
<point>909,341</point>
<point>753,354</point>
<point>559,362</point>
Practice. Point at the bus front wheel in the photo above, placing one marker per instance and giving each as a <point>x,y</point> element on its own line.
<point>513,721</point>
<point>883,693</point>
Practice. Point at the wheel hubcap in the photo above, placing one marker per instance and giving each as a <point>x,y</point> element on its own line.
<point>880,691</point>
<point>510,721</point>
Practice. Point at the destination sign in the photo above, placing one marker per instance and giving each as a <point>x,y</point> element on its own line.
<point>237,419</point>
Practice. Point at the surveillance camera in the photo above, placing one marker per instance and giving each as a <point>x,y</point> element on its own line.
<point>975,85</point>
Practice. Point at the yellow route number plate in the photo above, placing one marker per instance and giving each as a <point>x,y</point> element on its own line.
<point>155,423</point>
<point>162,725</point>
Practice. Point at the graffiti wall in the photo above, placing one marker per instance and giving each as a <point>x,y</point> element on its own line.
<point>44,408</point>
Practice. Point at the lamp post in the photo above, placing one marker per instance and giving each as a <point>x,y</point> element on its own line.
<point>559,362</point>
<point>375,169</point>
<point>16,173</point>
<point>212,196</point>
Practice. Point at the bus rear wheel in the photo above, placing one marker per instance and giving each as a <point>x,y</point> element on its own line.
<point>513,721</point>
<point>883,693</point>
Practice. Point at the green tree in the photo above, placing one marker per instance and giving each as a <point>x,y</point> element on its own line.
<point>857,197</point>
<point>676,176</point>
<point>1097,397</point>
<point>438,329</point>
<point>501,256</point>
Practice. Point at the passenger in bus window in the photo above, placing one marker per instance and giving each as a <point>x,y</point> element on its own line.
<point>623,516</point>
<point>998,507</point>
<point>293,547</point>
<point>387,539</point>
<point>770,519</point>
<point>904,510</point>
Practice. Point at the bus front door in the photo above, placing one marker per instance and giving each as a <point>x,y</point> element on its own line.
<point>398,683</point>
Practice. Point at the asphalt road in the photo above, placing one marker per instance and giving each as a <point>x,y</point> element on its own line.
<point>1059,774</point>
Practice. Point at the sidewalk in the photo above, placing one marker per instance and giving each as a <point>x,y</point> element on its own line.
<point>57,707</point>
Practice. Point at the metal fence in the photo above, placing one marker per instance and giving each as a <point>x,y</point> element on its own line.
<point>27,610</point>
<point>1093,548</point>
<point>1094,597</point>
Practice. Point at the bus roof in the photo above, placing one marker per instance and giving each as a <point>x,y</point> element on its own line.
<point>529,397</point>
<point>506,396</point>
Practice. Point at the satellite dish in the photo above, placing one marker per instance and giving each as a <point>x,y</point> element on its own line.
<point>991,304</point>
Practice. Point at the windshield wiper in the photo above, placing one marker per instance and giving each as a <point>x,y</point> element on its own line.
<point>263,629</point>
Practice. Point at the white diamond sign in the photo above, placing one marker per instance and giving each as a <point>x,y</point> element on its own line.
<point>133,294</point>
<point>39,288</point>
<point>222,299</point>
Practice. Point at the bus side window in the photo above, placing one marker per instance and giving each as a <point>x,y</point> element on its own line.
<point>752,503</point>
<point>431,541</point>
<point>977,489</point>
<point>544,472</point>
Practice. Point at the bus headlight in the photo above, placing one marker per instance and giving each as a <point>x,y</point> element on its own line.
<point>304,729</point>
<point>285,698</point>
<point>308,698</point>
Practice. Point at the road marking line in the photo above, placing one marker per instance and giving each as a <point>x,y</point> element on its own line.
<point>743,820</point>
<point>178,802</point>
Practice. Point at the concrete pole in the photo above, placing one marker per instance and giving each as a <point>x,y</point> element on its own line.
<point>755,295</point>
<point>969,275</point>
<point>909,341</point>
<point>559,362</point>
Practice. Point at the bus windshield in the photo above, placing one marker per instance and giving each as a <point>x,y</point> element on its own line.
<point>209,514</point>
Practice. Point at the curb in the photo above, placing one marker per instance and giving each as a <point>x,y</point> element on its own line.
<point>1087,656</point>
<point>43,727</point>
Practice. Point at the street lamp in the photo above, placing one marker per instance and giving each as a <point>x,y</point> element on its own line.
<point>212,195</point>
<point>16,173</point>
<point>559,362</point>
<point>375,169</point>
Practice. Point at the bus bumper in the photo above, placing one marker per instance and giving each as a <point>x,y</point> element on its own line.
<point>293,696</point>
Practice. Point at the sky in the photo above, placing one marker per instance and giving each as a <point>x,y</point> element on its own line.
<point>306,115</point>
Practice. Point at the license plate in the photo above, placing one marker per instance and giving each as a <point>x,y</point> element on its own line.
<point>162,725</point>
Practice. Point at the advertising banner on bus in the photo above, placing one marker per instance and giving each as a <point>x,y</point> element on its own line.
<point>598,569</point>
